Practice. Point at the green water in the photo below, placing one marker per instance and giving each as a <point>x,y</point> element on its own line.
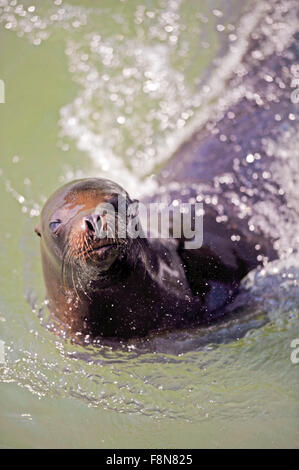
<point>111,88</point>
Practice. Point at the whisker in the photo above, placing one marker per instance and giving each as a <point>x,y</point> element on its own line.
<point>74,284</point>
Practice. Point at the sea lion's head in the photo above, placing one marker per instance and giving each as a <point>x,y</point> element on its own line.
<point>84,232</point>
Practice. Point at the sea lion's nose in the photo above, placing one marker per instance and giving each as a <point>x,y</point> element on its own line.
<point>95,223</point>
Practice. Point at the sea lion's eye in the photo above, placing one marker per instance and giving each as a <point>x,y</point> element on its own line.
<point>54,225</point>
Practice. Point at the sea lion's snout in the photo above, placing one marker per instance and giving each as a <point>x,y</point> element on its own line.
<point>95,224</point>
<point>102,221</point>
<point>92,237</point>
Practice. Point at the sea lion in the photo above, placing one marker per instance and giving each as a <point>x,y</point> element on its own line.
<point>243,162</point>
<point>240,164</point>
<point>100,284</point>
<point>110,286</point>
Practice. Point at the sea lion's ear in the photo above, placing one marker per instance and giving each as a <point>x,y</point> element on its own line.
<point>134,208</point>
<point>37,231</point>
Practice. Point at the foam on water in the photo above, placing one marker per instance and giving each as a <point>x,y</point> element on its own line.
<point>142,81</point>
